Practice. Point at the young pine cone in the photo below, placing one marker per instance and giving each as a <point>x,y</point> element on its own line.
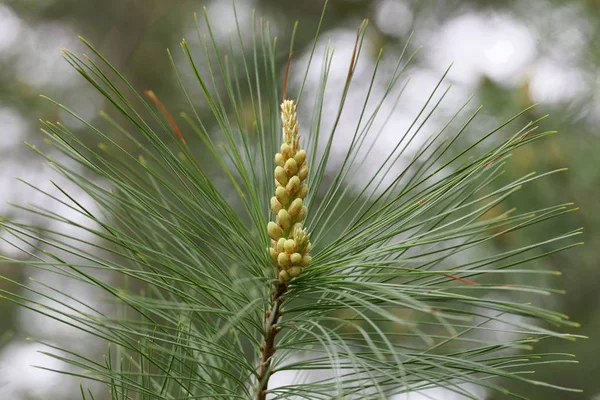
<point>290,244</point>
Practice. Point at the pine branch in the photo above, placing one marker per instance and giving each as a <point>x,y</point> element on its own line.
<point>267,350</point>
<point>383,270</point>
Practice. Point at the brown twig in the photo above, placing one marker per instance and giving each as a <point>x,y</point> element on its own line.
<point>286,76</point>
<point>150,94</point>
<point>463,280</point>
<point>268,348</point>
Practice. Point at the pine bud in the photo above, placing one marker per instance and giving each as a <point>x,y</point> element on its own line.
<point>282,195</point>
<point>281,176</point>
<point>279,160</point>
<point>302,214</point>
<point>290,167</point>
<point>274,253</point>
<point>300,157</point>
<point>284,276</point>
<point>303,172</point>
<point>280,245</point>
<point>286,151</point>
<point>305,260</point>
<point>295,271</point>
<point>295,207</point>
<point>301,238</point>
<point>274,231</point>
<point>296,258</point>
<point>293,185</point>
<point>283,219</point>
<point>302,192</point>
<point>283,259</point>
<point>275,205</point>
<point>290,246</point>
<point>295,228</point>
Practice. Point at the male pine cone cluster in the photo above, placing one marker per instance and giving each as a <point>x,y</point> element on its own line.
<point>290,244</point>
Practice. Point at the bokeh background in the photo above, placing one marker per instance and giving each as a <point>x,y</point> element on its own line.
<point>509,54</point>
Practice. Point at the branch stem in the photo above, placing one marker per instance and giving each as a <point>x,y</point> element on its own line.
<point>268,348</point>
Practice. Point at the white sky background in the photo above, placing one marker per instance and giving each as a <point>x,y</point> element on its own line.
<point>481,44</point>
